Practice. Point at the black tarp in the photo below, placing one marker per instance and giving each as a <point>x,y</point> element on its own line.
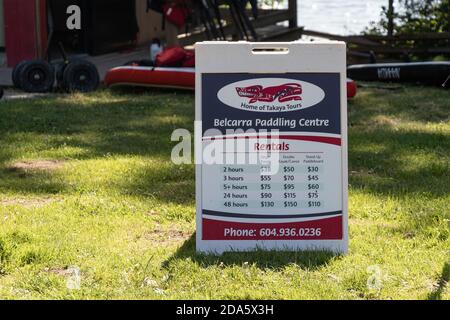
<point>74,41</point>
<point>111,25</point>
<point>107,25</point>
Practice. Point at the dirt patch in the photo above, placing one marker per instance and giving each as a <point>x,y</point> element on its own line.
<point>37,165</point>
<point>152,213</point>
<point>62,272</point>
<point>362,174</point>
<point>57,271</point>
<point>166,237</point>
<point>27,203</point>
<point>12,94</point>
<point>386,121</point>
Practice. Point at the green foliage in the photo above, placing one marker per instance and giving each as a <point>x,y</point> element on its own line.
<point>415,16</point>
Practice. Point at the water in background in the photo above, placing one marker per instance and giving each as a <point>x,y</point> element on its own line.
<point>339,16</point>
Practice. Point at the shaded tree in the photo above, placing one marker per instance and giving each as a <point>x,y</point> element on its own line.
<point>413,16</point>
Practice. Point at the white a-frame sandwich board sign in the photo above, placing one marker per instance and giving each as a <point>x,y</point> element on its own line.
<point>271,146</point>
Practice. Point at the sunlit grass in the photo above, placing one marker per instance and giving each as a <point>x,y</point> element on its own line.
<point>115,207</point>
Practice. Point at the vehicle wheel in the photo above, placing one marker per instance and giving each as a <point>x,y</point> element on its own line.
<point>37,76</point>
<point>81,76</point>
<point>16,74</point>
<point>2,92</point>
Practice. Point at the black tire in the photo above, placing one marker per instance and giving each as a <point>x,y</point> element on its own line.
<point>2,92</point>
<point>37,76</point>
<point>80,76</point>
<point>16,74</point>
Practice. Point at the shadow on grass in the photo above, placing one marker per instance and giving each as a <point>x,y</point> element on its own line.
<point>442,283</point>
<point>31,182</point>
<point>410,102</point>
<point>94,126</point>
<point>162,181</point>
<point>261,259</point>
<point>386,160</point>
<point>141,123</point>
<point>100,123</point>
<point>382,161</point>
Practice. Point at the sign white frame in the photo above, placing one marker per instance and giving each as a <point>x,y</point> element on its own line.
<point>300,57</point>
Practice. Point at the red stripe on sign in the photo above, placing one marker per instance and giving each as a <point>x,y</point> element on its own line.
<point>335,141</point>
<point>328,140</point>
<point>324,229</point>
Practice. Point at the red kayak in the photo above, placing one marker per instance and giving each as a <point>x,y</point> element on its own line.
<point>162,77</point>
<point>177,78</point>
<point>352,88</point>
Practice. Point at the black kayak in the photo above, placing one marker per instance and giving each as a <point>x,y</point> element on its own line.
<point>430,73</point>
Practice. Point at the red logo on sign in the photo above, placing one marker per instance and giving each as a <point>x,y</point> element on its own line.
<point>284,93</point>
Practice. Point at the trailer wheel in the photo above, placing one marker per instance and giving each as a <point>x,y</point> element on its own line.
<point>81,76</point>
<point>16,74</point>
<point>37,76</point>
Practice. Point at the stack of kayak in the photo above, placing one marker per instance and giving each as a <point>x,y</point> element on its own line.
<point>145,76</point>
<point>426,73</point>
<point>173,68</point>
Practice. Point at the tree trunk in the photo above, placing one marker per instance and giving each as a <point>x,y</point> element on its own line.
<point>391,18</point>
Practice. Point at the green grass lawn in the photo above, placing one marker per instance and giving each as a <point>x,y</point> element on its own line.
<point>86,181</point>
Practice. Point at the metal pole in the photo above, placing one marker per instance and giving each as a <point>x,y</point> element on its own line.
<point>293,22</point>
